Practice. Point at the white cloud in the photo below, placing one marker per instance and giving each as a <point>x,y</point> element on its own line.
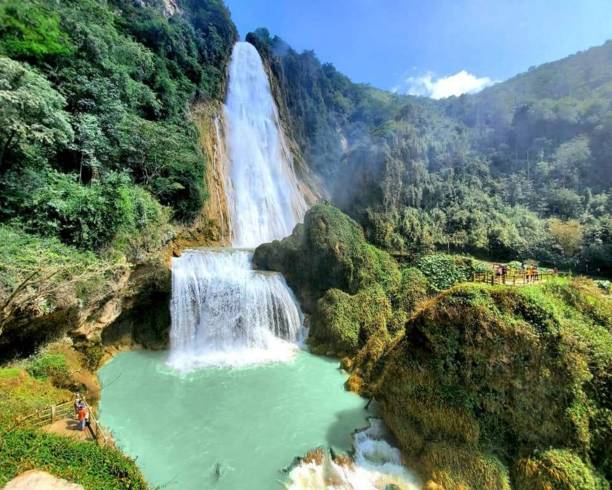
<point>440,87</point>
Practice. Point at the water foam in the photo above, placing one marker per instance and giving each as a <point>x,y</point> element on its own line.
<point>376,465</point>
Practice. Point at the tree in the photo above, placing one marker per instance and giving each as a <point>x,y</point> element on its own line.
<point>568,234</point>
<point>31,31</point>
<point>31,111</point>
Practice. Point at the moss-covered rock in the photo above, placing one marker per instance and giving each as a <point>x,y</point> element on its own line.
<point>329,251</point>
<point>342,323</point>
<point>499,370</point>
<point>413,289</point>
<point>348,286</point>
<point>557,469</point>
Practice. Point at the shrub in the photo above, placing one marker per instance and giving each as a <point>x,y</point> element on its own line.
<point>86,216</point>
<point>47,365</point>
<point>443,270</point>
<point>93,466</point>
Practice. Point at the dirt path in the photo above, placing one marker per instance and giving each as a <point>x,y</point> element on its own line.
<point>69,428</point>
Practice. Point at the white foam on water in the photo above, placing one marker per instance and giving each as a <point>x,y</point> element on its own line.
<point>377,466</point>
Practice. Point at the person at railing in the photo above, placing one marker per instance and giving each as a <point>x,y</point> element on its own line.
<point>83,416</point>
<point>77,403</point>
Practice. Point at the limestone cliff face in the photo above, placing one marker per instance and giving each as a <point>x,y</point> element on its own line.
<point>168,7</point>
<point>130,306</point>
<point>213,226</point>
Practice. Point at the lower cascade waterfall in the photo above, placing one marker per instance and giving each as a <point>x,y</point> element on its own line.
<point>223,312</point>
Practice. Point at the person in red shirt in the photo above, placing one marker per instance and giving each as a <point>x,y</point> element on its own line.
<point>82,417</point>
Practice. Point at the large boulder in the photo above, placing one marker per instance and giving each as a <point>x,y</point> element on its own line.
<point>329,251</point>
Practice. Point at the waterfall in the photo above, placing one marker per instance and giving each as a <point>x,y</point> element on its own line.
<point>223,312</point>
<point>265,202</point>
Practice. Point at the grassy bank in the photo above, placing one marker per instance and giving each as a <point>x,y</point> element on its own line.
<point>42,380</point>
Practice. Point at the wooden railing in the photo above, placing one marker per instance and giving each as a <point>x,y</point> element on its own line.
<point>65,410</point>
<point>514,277</point>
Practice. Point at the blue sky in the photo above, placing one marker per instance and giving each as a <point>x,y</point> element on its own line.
<point>431,47</point>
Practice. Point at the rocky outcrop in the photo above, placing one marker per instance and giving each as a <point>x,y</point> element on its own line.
<point>213,226</point>
<point>131,306</point>
<point>485,382</point>
<point>168,7</point>
<point>40,480</point>
<point>347,285</point>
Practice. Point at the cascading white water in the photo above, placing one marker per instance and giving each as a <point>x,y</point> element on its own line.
<point>263,193</point>
<point>223,312</point>
<point>226,313</point>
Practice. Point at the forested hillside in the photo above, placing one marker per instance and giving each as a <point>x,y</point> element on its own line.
<point>99,155</point>
<point>521,170</point>
<point>87,87</point>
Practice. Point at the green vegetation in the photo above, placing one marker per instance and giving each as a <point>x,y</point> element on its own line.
<point>126,75</point>
<point>85,463</point>
<point>521,170</point>
<point>37,383</point>
<point>443,271</point>
<point>349,285</point>
<point>42,277</point>
<point>342,322</point>
<point>556,469</point>
<point>98,151</point>
<point>486,378</point>
<point>22,394</point>
<point>49,365</point>
<point>483,386</point>
<point>328,251</point>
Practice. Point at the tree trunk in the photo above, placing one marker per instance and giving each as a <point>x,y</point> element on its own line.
<point>5,146</point>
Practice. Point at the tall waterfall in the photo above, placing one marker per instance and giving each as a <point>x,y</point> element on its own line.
<point>223,312</point>
<point>263,193</point>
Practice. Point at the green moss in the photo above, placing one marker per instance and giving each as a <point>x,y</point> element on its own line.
<point>413,289</point>
<point>329,251</point>
<point>505,370</point>
<point>557,469</point>
<point>458,468</point>
<point>342,322</point>
<point>9,373</point>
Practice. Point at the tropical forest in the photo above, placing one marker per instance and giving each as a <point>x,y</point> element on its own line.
<point>225,264</point>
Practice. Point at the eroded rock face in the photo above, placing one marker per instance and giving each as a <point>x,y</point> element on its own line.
<point>169,7</point>
<point>134,310</point>
<point>40,480</point>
